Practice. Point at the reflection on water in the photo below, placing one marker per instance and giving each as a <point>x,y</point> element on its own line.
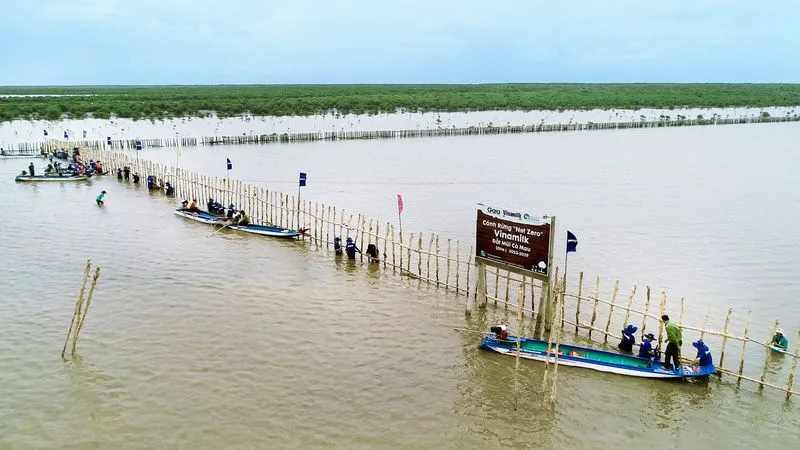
<point>239,341</point>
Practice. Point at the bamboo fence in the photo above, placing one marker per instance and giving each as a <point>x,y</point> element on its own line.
<point>276,138</point>
<point>450,265</point>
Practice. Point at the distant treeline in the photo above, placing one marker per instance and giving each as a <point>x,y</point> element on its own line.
<point>161,102</point>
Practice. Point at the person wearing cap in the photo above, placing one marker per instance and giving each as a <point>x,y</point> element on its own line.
<point>193,205</point>
<point>100,197</point>
<point>351,249</point>
<point>500,332</point>
<point>779,340</point>
<point>628,339</point>
<point>646,348</point>
<point>703,357</point>
<point>337,245</point>
<point>674,342</point>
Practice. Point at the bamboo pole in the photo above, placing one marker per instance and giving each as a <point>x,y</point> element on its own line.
<point>447,268</point>
<point>766,360</point>
<point>428,259</point>
<point>725,336</point>
<point>610,310</point>
<point>662,309</point>
<point>437,260</point>
<point>646,307</point>
<point>628,308</point>
<point>470,258</point>
<point>578,304</point>
<point>790,382</point>
<point>82,317</point>
<point>419,254</point>
<point>594,308</point>
<point>744,343</point>
<point>458,264</point>
<point>78,305</point>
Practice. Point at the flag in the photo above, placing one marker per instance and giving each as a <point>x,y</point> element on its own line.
<point>45,132</point>
<point>66,136</point>
<point>572,242</point>
<point>302,179</point>
<point>230,166</point>
<point>399,204</point>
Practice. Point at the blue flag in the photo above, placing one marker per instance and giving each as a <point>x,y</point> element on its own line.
<point>302,179</point>
<point>572,242</point>
<point>230,166</point>
<point>45,132</point>
<point>138,144</point>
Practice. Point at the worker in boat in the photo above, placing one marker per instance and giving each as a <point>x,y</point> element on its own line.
<point>628,339</point>
<point>31,169</point>
<point>779,340</point>
<point>168,189</point>
<point>99,166</point>
<point>674,342</point>
<point>92,164</point>
<point>210,205</point>
<point>48,170</point>
<point>703,357</point>
<point>646,347</point>
<point>337,245</point>
<point>242,218</point>
<point>231,211</point>
<point>184,204</point>
<point>100,198</point>
<point>192,206</point>
<point>24,173</point>
<point>500,332</point>
<point>351,249</point>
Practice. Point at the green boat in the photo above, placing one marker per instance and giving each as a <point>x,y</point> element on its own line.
<point>50,178</point>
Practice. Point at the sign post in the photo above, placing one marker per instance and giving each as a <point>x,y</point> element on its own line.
<point>520,242</point>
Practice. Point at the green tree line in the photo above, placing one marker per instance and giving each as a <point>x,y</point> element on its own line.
<point>160,102</point>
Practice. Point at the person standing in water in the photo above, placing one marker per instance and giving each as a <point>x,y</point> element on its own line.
<point>99,199</point>
<point>779,340</point>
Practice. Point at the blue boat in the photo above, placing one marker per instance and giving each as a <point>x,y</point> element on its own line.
<point>262,230</point>
<point>589,358</point>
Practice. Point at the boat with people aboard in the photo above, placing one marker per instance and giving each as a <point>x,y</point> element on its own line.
<point>588,358</point>
<point>51,178</point>
<point>262,230</point>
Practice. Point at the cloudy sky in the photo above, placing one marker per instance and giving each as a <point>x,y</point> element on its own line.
<point>400,41</point>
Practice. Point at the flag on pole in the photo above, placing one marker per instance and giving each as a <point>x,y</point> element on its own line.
<point>572,242</point>
<point>45,132</point>
<point>399,204</point>
<point>230,166</point>
<point>302,179</point>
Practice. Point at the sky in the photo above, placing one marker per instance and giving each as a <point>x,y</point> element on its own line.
<point>79,42</point>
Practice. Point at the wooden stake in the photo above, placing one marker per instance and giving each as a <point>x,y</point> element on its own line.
<point>610,311</point>
<point>744,343</point>
<point>578,305</point>
<point>646,307</point>
<point>725,336</point>
<point>594,308</point>
<point>78,305</point>
<point>790,383</point>
<point>447,270</point>
<point>82,317</point>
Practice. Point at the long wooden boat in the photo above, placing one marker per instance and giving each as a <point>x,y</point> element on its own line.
<point>262,230</point>
<point>588,358</point>
<point>48,178</point>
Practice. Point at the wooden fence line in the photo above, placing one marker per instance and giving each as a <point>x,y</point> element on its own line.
<point>273,138</point>
<point>423,260</point>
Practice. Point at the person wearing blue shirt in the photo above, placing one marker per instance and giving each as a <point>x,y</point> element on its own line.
<point>703,354</point>
<point>646,348</point>
<point>351,249</point>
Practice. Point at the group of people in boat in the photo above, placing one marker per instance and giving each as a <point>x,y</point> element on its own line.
<point>672,353</point>
<point>231,213</point>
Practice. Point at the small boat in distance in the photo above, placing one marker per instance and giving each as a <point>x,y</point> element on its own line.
<point>51,178</point>
<point>589,358</point>
<point>262,230</point>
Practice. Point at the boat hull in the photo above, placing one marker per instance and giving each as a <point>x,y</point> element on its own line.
<point>40,178</point>
<point>588,358</point>
<point>262,230</point>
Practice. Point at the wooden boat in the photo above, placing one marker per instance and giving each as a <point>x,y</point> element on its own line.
<point>588,358</point>
<point>56,178</point>
<point>263,230</point>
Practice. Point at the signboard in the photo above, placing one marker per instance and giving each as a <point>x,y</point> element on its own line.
<point>516,238</point>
